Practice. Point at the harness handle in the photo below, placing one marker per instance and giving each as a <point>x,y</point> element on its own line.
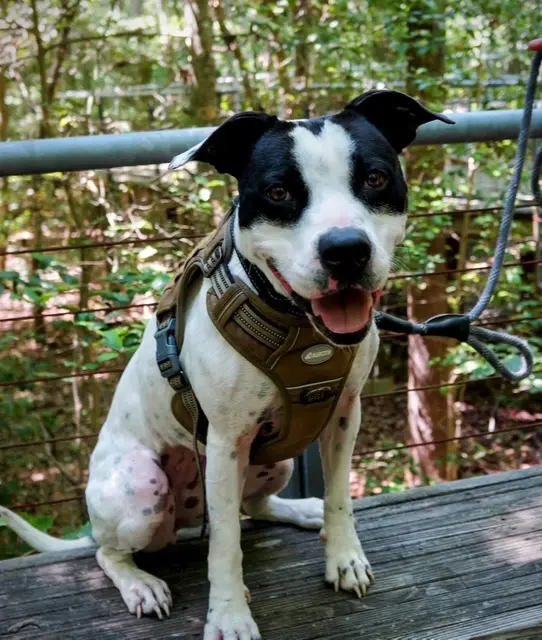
<point>459,326</point>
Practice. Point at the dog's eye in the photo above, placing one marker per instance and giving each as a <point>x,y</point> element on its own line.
<point>376,180</point>
<point>279,194</point>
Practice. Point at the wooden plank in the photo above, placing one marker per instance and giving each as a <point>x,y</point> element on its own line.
<point>534,633</point>
<point>452,562</point>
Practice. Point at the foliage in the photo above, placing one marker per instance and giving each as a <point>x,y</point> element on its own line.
<point>86,68</point>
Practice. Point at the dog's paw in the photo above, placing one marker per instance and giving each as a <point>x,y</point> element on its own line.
<point>310,513</point>
<point>348,569</point>
<point>145,594</point>
<point>229,621</point>
<point>307,513</point>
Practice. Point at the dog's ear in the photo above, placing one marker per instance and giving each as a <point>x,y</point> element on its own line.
<point>228,148</point>
<point>394,114</point>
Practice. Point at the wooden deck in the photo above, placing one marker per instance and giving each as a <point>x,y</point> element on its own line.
<point>457,561</point>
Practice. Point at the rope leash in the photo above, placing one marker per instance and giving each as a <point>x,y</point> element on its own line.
<point>459,326</point>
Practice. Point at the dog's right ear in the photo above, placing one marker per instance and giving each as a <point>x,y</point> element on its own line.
<point>229,148</point>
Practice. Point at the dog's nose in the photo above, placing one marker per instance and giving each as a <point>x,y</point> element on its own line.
<point>345,252</point>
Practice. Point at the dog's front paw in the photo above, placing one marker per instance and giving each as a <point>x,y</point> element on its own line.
<point>229,620</point>
<point>348,568</point>
<point>146,594</point>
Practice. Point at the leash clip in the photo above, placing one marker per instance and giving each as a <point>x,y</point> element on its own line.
<point>167,355</point>
<point>449,325</point>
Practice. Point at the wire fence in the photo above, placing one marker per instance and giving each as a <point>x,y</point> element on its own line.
<point>158,239</point>
<point>108,371</point>
<point>401,276</point>
<point>398,447</point>
<point>188,238</point>
<point>364,396</point>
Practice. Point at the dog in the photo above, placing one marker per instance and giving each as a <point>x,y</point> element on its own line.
<point>322,206</point>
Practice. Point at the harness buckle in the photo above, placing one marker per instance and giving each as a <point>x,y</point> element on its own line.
<point>212,262</point>
<point>167,355</point>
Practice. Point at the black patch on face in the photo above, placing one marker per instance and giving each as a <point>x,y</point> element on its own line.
<point>372,152</point>
<point>315,125</point>
<point>272,164</point>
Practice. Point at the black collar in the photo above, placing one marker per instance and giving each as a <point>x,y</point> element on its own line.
<point>265,289</point>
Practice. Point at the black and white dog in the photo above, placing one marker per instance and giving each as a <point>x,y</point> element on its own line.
<point>322,205</point>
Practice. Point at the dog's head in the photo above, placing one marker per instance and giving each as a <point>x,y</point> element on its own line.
<point>322,203</point>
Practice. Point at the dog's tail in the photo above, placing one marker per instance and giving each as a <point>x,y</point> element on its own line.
<point>37,539</point>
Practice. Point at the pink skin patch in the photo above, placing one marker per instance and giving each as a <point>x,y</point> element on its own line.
<point>173,496</point>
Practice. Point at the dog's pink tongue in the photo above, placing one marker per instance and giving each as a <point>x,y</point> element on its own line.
<point>344,311</point>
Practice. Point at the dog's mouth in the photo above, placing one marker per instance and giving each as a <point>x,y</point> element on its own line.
<point>343,315</point>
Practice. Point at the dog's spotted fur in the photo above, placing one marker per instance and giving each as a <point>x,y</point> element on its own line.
<point>143,482</point>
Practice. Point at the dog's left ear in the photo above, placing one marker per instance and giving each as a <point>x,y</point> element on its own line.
<point>229,148</point>
<point>394,114</point>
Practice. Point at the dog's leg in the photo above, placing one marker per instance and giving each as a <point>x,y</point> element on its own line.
<point>141,591</point>
<point>229,616</point>
<point>260,503</point>
<point>346,564</point>
<point>131,508</point>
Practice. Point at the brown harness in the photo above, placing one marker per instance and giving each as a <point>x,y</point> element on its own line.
<point>308,372</point>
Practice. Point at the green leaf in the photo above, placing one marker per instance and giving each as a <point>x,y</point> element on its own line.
<point>105,357</point>
<point>9,275</point>
<point>83,532</point>
<point>112,339</point>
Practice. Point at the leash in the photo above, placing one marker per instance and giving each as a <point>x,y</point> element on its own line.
<point>459,326</point>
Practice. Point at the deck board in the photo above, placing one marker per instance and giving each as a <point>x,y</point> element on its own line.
<point>453,562</point>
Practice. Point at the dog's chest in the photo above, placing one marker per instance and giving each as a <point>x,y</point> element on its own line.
<point>180,465</point>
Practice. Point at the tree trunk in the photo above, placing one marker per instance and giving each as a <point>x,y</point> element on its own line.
<point>303,20</point>
<point>232,42</point>
<point>4,185</point>
<point>203,107</point>
<point>430,412</point>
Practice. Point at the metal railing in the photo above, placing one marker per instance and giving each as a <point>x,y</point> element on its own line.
<point>82,153</point>
<point>110,151</point>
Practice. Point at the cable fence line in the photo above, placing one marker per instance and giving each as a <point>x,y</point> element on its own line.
<point>78,374</point>
<point>174,238</point>
<point>399,276</point>
<point>397,391</point>
<point>35,443</point>
<point>105,244</point>
<point>444,272</point>
<point>69,376</point>
<point>480,434</point>
<point>57,314</point>
<point>83,374</point>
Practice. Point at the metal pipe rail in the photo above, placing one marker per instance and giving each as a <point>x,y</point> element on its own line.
<point>31,157</point>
